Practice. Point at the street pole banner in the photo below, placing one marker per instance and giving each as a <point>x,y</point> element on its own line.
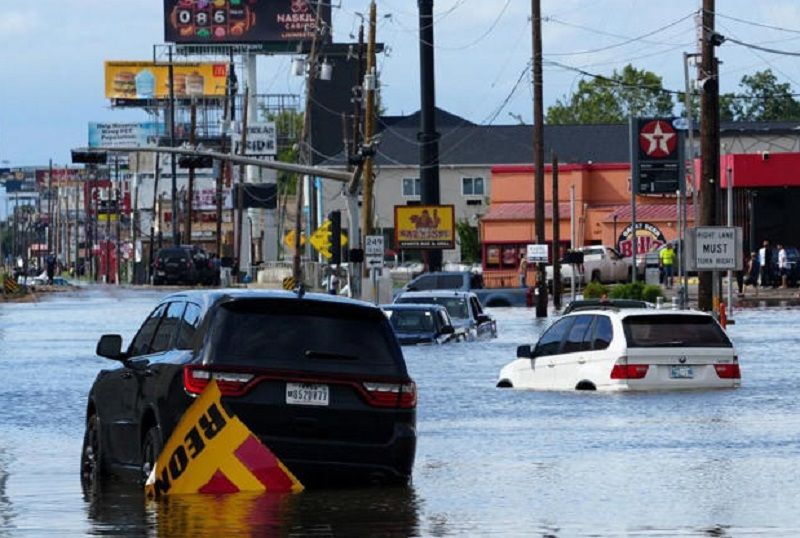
<point>657,162</point>
<point>262,140</point>
<point>212,451</point>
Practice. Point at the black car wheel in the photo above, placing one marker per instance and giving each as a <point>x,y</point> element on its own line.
<point>91,458</point>
<point>151,448</point>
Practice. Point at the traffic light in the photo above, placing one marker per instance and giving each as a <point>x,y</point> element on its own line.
<point>336,237</point>
<point>195,161</point>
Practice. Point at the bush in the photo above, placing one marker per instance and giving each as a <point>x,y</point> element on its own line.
<point>634,290</point>
<point>594,290</point>
<point>652,292</point>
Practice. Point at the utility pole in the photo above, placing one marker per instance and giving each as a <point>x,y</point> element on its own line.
<point>175,223</point>
<point>118,200</point>
<point>240,190</point>
<point>556,237</point>
<point>538,153</point>
<point>369,123</point>
<point>190,191</point>
<point>709,135</point>
<point>305,149</point>
<point>49,208</point>
<point>428,137</point>
<point>155,219</point>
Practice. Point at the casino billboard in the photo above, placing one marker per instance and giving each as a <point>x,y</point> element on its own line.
<point>242,21</point>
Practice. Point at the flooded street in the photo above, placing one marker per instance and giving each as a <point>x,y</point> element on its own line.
<point>489,461</point>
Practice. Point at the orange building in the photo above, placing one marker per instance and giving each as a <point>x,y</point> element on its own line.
<point>602,214</point>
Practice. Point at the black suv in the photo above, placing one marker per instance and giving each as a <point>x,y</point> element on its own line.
<point>184,265</point>
<point>321,380</point>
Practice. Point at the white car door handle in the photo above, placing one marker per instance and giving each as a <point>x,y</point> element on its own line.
<point>550,365</point>
<point>581,361</point>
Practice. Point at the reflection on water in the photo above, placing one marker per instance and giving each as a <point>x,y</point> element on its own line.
<point>391,512</point>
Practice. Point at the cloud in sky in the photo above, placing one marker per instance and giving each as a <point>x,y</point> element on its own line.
<point>53,53</point>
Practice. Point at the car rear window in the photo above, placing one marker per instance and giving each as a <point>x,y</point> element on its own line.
<point>411,321</point>
<point>450,282</point>
<point>173,254</point>
<point>301,335</point>
<point>674,331</point>
<point>456,306</point>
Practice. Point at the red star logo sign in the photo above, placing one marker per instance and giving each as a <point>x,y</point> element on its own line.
<point>658,139</point>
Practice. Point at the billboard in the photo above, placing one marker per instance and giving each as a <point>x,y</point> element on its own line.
<point>132,82</point>
<point>123,134</point>
<point>262,140</point>
<point>242,21</point>
<point>424,226</point>
<point>61,177</point>
<point>657,164</point>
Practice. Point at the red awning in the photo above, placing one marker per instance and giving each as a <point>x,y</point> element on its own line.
<point>522,211</point>
<point>648,212</point>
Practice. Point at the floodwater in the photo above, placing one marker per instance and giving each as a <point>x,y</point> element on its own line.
<point>489,461</point>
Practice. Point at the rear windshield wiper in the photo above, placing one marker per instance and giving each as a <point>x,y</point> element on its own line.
<point>668,343</point>
<point>312,354</point>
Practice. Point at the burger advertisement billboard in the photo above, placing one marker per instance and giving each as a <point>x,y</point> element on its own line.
<point>242,21</point>
<point>134,82</point>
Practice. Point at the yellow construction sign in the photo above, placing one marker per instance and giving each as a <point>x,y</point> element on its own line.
<point>321,239</point>
<point>212,451</point>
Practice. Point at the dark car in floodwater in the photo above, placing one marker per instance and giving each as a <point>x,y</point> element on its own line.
<point>187,264</point>
<point>320,380</point>
<point>421,323</point>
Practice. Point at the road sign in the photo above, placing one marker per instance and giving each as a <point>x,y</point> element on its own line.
<point>714,248</point>
<point>373,250</point>
<point>537,254</point>
<point>288,240</point>
<point>321,239</point>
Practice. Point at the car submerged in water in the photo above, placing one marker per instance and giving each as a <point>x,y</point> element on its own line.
<point>320,380</point>
<point>421,324</point>
<point>464,308</point>
<point>628,349</point>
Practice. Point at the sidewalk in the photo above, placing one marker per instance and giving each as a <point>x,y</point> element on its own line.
<point>751,298</point>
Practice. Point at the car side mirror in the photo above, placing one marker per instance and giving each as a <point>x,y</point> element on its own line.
<point>110,347</point>
<point>411,288</point>
<point>448,329</point>
<point>524,352</point>
<point>483,318</point>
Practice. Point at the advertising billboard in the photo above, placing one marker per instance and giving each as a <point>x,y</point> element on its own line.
<point>132,82</point>
<point>242,21</point>
<point>261,140</point>
<point>61,177</point>
<point>424,226</point>
<point>116,135</point>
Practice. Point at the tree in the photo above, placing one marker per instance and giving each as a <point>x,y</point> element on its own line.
<point>612,99</point>
<point>761,98</point>
<point>468,239</point>
<point>288,126</point>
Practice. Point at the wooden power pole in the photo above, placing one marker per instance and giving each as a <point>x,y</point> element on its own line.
<point>538,154</point>
<point>709,143</point>
<point>369,124</point>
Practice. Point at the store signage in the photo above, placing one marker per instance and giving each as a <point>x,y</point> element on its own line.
<point>243,21</point>
<point>262,140</point>
<point>657,161</point>
<point>424,226</point>
<point>648,237</point>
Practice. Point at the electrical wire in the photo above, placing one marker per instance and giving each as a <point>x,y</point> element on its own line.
<point>762,49</point>
<point>601,32</point>
<point>758,24</point>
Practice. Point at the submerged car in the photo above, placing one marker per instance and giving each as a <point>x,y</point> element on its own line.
<point>464,308</point>
<point>421,323</point>
<point>320,380</point>
<point>628,349</point>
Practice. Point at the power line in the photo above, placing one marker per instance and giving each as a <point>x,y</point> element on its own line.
<point>601,32</point>
<point>760,25</point>
<point>763,49</point>
<point>641,37</point>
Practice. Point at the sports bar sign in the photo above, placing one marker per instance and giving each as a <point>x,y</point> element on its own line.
<point>424,226</point>
<point>242,21</point>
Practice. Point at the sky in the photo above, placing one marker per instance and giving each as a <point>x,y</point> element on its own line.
<point>51,81</point>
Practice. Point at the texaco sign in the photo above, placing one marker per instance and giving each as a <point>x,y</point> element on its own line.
<point>657,162</point>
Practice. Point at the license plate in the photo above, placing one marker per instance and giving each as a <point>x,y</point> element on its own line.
<point>307,394</point>
<point>681,372</point>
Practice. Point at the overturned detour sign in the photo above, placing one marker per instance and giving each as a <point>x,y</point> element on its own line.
<point>424,226</point>
<point>212,451</point>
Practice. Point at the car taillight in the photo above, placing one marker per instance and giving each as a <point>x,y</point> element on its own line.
<point>195,380</point>
<point>728,371</point>
<point>402,396</point>
<point>629,371</point>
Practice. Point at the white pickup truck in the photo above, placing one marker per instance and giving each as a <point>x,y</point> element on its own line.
<point>601,263</point>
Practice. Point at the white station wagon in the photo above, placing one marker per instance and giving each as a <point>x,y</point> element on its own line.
<point>628,349</point>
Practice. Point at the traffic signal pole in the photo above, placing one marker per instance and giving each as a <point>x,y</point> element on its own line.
<point>538,154</point>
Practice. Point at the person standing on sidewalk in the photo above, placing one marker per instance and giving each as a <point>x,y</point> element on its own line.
<point>765,263</point>
<point>523,271</point>
<point>667,259</point>
<point>783,266</point>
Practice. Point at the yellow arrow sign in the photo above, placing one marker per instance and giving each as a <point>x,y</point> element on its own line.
<point>212,451</point>
<point>288,239</point>
<point>321,239</point>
